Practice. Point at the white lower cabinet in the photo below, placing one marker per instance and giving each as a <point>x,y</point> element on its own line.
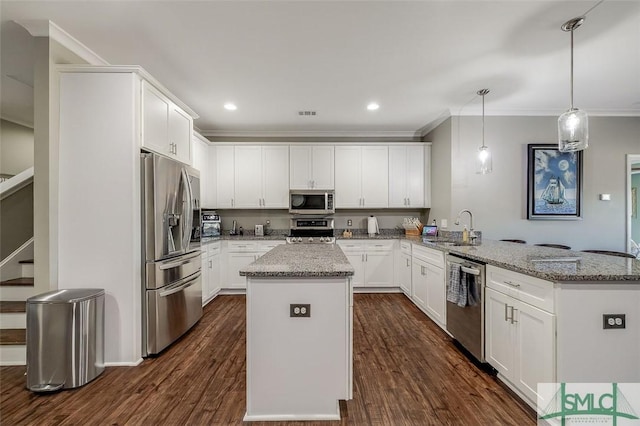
<point>239,254</point>
<point>210,271</point>
<point>519,339</point>
<point>373,261</point>
<point>428,283</point>
<point>436,297</point>
<point>403,270</point>
<point>419,282</point>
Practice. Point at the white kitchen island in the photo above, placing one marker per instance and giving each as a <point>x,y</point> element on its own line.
<point>299,361</point>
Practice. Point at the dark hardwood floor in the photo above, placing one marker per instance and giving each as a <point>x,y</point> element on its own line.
<point>406,372</point>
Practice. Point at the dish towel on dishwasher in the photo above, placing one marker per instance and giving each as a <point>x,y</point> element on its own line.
<point>457,288</point>
<point>473,286</point>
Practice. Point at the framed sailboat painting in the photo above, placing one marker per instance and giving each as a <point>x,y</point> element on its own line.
<point>554,181</point>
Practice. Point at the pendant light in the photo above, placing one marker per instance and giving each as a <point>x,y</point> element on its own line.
<point>573,125</point>
<point>484,155</point>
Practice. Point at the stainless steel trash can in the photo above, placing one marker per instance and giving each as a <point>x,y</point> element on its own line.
<point>65,338</point>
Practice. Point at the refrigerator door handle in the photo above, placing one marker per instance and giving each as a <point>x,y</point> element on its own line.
<point>182,261</point>
<point>180,285</point>
<point>187,224</point>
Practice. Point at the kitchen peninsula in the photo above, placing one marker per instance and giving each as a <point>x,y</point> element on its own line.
<point>299,333</point>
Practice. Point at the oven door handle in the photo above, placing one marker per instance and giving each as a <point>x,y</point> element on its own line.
<point>468,270</point>
<point>179,286</point>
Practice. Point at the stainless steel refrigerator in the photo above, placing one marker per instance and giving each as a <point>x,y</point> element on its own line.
<point>171,276</point>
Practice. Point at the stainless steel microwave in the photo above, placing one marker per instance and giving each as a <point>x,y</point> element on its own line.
<point>311,201</point>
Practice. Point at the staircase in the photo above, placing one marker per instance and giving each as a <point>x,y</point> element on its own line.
<point>16,267</point>
<point>13,317</point>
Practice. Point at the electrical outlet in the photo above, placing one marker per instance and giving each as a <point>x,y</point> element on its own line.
<point>298,310</point>
<point>349,222</point>
<point>613,321</point>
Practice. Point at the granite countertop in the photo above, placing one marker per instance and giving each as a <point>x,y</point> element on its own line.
<point>545,262</point>
<point>301,260</point>
<point>571,266</point>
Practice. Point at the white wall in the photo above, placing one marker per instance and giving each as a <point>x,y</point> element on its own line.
<point>16,149</point>
<point>635,221</point>
<point>441,173</point>
<point>498,200</point>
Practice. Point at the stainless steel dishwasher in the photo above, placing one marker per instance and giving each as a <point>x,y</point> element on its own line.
<point>466,324</point>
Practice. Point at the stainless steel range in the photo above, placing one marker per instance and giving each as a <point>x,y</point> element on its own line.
<point>314,230</point>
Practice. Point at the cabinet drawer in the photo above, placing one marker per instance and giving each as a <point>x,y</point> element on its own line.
<point>531,290</point>
<point>351,246</point>
<point>240,246</point>
<point>405,247</point>
<point>213,248</point>
<point>380,245</point>
<point>432,256</point>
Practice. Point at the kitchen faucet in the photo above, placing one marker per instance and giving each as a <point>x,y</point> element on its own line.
<point>472,234</point>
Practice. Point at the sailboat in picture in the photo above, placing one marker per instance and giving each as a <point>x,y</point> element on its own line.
<point>554,192</point>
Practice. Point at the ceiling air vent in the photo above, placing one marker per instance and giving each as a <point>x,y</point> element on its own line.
<point>307,113</point>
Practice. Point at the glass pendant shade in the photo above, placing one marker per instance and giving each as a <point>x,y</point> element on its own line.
<point>484,155</point>
<point>573,130</point>
<point>484,160</point>
<point>573,124</point>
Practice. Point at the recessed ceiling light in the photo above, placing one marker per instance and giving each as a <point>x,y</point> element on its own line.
<point>373,106</point>
<point>229,106</point>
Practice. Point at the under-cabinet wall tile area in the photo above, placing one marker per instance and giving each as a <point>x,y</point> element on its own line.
<point>258,176</point>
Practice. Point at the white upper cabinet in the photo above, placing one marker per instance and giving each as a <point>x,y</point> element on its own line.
<point>406,176</point>
<point>225,188</point>
<point>166,128</point>
<point>275,177</point>
<point>248,177</point>
<point>362,176</point>
<point>204,159</point>
<point>254,176</point>
<point>311,166</point>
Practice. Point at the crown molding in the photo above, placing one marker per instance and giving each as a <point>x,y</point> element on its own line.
<point>309,134</point>
<point>626,112</point>
<point>46,28</point>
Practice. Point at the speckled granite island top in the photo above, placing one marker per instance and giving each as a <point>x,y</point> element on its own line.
<point>547,263</point>
<point>301,260</point>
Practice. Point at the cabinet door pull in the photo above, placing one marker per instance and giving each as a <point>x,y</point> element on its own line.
<point>362,201</point>
<point>366,257</point>
<point>506,318</point>
<point>513,315</point>
<point>408,201</point>
<point>407,262</point>
<point>362,257</point>
<point>512,284</point>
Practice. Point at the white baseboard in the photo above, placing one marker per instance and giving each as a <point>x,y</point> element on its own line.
<point>13,355</point>
<point>13,320</point>
<point>123,363</point>
<point>377,290</point>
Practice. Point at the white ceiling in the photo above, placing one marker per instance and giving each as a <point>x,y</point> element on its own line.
<point>420,60</point>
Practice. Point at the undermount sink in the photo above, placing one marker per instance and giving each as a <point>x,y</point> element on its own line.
<point>456,244</point>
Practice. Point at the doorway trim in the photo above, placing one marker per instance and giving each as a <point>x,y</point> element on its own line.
<point>631,159</point>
